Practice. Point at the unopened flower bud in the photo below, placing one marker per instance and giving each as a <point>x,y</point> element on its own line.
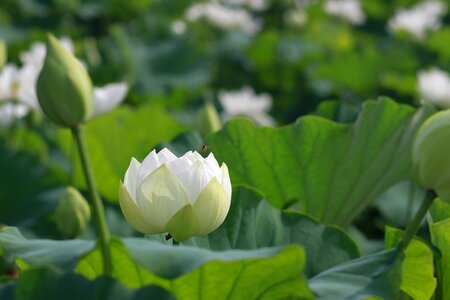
<point>431,162</point>
<point>64,88</point>
<point>72,213</point>
<point>207,119</point>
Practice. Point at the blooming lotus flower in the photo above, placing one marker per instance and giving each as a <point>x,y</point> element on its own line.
<point>246,103</point>
<point>349,10</point>
<point>184,196</point>
<point>418,20</point>
<point>434,87</point>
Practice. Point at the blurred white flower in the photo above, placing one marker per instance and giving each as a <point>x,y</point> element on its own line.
<point>296,17</point>
<point>434,87</point>
<point>185,196</point>
<point>418,20</point>
<point>252,4</point>
<point>178,27</point>
<point>223,16</point>
<point>349,10</point>
<point>109,96</point>
<point>10,111</point>
<point>246,103</point>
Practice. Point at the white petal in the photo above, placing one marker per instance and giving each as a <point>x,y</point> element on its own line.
<point>226,182</point>
<point>160,196</point>
<point>109,96</point>
<point>149,164</point>
<point>165,156</point>
<point>196,181</point>
<point>130,180</point>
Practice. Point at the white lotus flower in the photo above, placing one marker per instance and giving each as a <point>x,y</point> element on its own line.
<point>223,17</point>
<point>246,103</point>
<point>418,20</point>
<point>109,96</point>
<point>184,196</point>
<point>434,87</point>
<point>349,10</point>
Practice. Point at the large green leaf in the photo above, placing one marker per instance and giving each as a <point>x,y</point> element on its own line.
<point>334,170</point>
<point>184,270</point>
<point>417,270</point>
<point>63,254</point>
<point>252,223</point>
<point>115,137</point>
<point>234,274</point>
<point>376,275</point>
<point>49,284</point>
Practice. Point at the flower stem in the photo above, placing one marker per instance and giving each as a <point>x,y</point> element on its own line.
<point>99,210</point>
<point>413,227</point>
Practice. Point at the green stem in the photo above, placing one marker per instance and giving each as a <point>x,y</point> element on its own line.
<point>413,227</point>
<point>99,210</point>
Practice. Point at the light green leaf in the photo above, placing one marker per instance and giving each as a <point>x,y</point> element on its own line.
<point>376,275</point>
<point>417,270</point>
<point>125,269</point>
<point>252,223</point>
<point>117,136</point>
<point>439,225</point>
<point>334,170</point>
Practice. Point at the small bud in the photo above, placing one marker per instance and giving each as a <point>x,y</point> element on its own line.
<point>64,88</point>
<point>207,119</point>
<point>431,162</point>
<point>72,213</point>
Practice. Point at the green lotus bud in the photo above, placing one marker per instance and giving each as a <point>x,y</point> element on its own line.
<point>431,162</point>
<point>72,213</point>
<point>64,88</point>
<point>207,119</point>
<point>3,54</point>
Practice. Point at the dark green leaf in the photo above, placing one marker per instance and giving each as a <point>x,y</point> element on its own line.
<point>252,223</point>
<point>373,275</point>
<point>49,284</point>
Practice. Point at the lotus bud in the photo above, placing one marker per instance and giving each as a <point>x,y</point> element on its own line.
<point>72,213</point>
<point>184,196</point>
<point>207,119</point>
<point>431,162</point>
<point>64,88</point>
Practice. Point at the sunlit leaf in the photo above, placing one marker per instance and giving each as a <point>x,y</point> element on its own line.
<point>334,170</point>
